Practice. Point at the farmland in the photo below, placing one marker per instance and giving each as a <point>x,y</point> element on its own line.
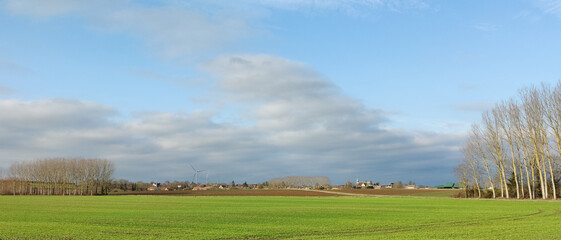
<point>177,217</point>
<point>298,193</point>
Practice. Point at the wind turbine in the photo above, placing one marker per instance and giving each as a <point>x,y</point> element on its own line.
<point>196,175</point>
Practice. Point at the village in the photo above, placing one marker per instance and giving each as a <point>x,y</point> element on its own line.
<point>181,186</point>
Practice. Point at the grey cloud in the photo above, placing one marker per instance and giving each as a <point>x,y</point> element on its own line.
<point>304,126</point>
<point>465,86</point>
<point>5,91</point>
<point>264,77</point>
<point>290,95</point>
<point>304,114</point>
<point>159,146</point>
<point>52,114</point>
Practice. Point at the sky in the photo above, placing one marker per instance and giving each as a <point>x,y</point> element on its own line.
<point>381,90</point>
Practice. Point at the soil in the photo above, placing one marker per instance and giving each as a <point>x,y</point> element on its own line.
<point>390,191</point>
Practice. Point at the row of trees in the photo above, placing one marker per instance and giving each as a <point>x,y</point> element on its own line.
<point>516,148</point>
<point>59,176</point>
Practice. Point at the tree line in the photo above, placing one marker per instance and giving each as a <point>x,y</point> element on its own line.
<point>516,148</point>
<point>58,176</point>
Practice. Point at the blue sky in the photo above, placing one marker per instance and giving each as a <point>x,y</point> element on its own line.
<point>250,90</point>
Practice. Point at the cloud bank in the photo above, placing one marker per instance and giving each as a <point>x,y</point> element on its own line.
<point>297,122</point>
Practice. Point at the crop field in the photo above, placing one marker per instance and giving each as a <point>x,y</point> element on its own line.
<point>180,217</point>
<point>300,193</point>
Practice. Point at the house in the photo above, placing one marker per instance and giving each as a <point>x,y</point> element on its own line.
<point>223,186</point>
<point>360,184</point>
<point>410,187</point>
<point>388,186</point>
<point>153,188</point>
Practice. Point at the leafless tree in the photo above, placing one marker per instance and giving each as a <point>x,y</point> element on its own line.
<point>522,141</point>
<point>61,176</point>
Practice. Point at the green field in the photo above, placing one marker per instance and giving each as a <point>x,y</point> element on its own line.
<point>167,217</point>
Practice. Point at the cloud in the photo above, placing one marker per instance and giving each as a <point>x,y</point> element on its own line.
<point>475,106</point>
<point>550,6</point>
<point>52,114</point>
<point>5,91</point>
<point>190,30</point>
<point>485,27</point>
<point>299,123</point>
<point>352,7</point>
<point>12,68</point>
<point>44,9</point>
<point>175,31</point>
<point>466,86</point>
<point>290,95</point>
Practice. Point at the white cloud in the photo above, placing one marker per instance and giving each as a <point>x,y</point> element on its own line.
<point>174,31</point>
<point>485,27</point>
<point>550,6</point>
<point>352,7</point>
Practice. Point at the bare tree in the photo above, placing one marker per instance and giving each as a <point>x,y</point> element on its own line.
<point>503,118</point>
<point>60,176</point>
<point>522,141</point>
<point>531,103</point>
<point>481,151</point>
<point>470,158</point>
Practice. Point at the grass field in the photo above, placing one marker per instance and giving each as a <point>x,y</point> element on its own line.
<point>300,193</point>
<point>175,217</point>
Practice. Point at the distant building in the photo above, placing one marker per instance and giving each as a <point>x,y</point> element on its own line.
<point>410,187</point>
<point>153,188</point>
<point>388,186</point>
<point>360,184</point>
<point>447,186</point>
